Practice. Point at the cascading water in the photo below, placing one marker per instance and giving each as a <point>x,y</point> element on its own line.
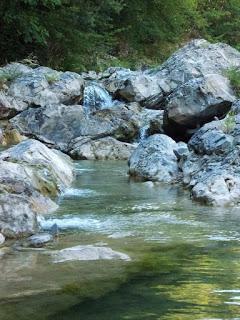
<point>143,133</point>
<point>96,98</point>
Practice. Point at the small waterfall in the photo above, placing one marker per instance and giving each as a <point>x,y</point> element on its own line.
<point>143,133</point>
<point>96,98</point>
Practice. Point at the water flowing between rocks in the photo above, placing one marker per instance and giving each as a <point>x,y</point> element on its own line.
<point>184,259</point>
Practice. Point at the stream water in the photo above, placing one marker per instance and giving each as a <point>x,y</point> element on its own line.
<point>185,258</point>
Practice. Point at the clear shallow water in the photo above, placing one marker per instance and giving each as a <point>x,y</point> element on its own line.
<point>185,257</point>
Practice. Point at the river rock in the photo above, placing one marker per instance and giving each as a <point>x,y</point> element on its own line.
<point>10,106</point>
<point>42,86</point>
<point>154,159</point>
<point>39,240</point>
<point>47,167</point>
<point>30,174</point>
<point>88,253</point>
<point>212,138</point>
<point>59,125</point>
<point>101,149</point>
<point>212,169</point>
<point>198,101</point>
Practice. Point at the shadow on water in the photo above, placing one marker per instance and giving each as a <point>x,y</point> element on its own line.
<point>169,282</point>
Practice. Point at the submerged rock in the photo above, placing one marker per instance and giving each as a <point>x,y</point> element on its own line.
<point>154,159</point>
<point>88,253</point>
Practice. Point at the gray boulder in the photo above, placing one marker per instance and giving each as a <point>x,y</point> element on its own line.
<point>30,174</point>
<point>59,125</point>
<point>39,87</point>
<point>212,169</point>
<point>101,149</point>
<point>212,138</point>
<point>213,179</point>
<point>198,101</point>
<point>18,215</point>
<point>151,122</point>
<point>154,159</point>
<point>196,59</point>
<point>10,106</point>
<point>49,169</point>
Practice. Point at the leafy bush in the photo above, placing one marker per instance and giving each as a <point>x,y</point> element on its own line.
<point>229,122</point>
<point>52,77</point>
<point>234,77</point>
<point>7,76</point>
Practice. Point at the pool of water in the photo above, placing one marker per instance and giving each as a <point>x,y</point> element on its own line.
<point>185,258</point>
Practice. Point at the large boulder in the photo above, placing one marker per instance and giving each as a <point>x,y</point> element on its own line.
<point>135,86</point>
<point>101,149</point>
<point>58,125</point>
<point>44,86</point>
<point>196,102</point>
<point>25,87</point>
<point>30,174</point>
<point>155,159</point>
<point>212,169</point>
<point>50,169</point>
<point>196,59</point>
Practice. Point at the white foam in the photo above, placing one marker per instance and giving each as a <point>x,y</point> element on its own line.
<point>69,192</point>
<point>69,223</point>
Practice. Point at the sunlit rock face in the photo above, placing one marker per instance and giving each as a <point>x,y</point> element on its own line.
<point>30,173</point>
<point>155,160</point>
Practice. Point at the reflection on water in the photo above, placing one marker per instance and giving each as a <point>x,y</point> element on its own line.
<point>185,257</point>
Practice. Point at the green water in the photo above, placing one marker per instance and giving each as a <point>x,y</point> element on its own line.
<point>185,258</point>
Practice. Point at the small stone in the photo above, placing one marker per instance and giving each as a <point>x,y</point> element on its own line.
<point>39,240</point>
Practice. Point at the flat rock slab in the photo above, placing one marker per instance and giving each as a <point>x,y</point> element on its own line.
<point>88,253</point>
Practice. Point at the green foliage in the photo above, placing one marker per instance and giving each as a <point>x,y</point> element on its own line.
<point>52,77</point>
<point>234,77</point>
<point>81,35</point>
<point>229,122</point>
<point>8,75</point>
